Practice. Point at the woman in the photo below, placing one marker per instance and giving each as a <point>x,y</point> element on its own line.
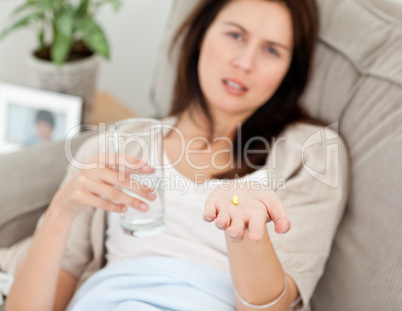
<point>242,62</point>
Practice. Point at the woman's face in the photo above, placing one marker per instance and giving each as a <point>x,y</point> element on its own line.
<point>245,54</point>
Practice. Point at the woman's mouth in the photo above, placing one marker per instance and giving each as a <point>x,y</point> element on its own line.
<point>234,87</point>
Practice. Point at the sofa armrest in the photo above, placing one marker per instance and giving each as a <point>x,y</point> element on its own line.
<point>28,180</point>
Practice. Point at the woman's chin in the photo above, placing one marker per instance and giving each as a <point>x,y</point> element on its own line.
<point>231,109</point>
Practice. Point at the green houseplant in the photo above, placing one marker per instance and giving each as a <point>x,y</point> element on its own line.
<point>66,30</point>
<point>70,43</point>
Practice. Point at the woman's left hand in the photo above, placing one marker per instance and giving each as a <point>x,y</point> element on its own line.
<point>256,206</point>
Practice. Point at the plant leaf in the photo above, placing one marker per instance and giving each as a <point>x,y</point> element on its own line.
<point>83,8</point>
<point>39,5</point>
<point>64,22</point>
<point>60,48</point>
<point>63,36</point>
<point>94,37</point>
<point>116,4</point>
<point>41,38</point>
<point>25,21</point>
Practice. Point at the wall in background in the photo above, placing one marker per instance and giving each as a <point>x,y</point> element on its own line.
<point>134,33</point>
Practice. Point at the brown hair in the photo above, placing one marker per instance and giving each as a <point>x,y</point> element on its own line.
<point>280,110</point>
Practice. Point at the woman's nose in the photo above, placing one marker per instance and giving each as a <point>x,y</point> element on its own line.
<point>245,59</point>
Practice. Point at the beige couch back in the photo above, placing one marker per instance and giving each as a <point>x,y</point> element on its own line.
<point>357,82</point>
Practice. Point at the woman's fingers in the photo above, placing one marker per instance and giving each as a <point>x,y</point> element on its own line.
<point>276,210</point>
<point>242,217</point>
<point>256,227</point>
<point>114,195</point>
<point>253,210</point>
<point>236,229</point>
<point>210,211</point>
<point>91,199</point>
<point>111,177</point>
<point>124,163</point>
<point>282,225</point>
<point>277,213</point>
<point>102,186</point>
<point>223,220</point>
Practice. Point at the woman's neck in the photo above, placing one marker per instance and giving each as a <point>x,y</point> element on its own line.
<point>193,123</point>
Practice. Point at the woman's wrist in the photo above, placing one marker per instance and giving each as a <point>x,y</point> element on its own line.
<point>62,207</point>
<point>255,269</point>
<point>270,304</point>
<point>57,214</point>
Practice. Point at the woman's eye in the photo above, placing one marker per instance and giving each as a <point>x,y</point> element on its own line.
<point>235,35</point>
<point>272,51</point>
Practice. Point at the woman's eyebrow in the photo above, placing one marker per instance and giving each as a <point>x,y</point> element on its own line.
<point>246,32</point>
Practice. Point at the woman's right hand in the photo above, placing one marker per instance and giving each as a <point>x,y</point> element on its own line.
<point>96,187</point>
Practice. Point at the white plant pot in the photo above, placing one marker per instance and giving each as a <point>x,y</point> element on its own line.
<point>75,78</point>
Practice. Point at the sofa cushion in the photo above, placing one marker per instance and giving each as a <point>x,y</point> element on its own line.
<point>164,76</point>
<point>357,81</point>
<point>29,179</point>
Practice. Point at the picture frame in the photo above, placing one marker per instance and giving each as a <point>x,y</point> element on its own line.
<point>29,116</point>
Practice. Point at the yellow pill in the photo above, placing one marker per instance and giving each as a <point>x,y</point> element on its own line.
<point>235,200</point>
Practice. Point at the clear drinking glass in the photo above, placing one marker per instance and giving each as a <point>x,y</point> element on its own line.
<point>142,138</point>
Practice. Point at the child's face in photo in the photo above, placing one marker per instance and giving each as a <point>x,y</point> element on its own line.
<point>44,130</point>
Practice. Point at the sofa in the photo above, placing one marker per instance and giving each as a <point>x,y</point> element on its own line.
<point>356,86</point>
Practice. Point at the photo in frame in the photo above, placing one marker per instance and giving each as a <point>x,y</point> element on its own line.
<point>29,116</point>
